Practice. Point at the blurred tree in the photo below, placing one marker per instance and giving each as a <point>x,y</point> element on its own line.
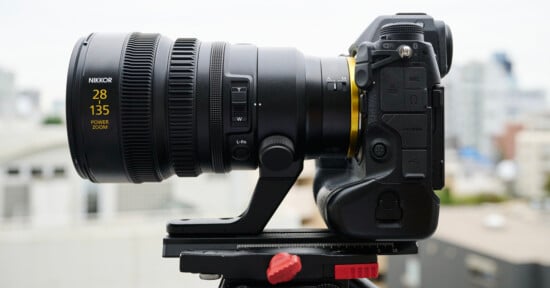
<point>445,197</point>
<point>52,120</point>
<point>547,186</point>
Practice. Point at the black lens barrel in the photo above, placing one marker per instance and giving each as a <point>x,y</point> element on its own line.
<point>141,107</point>
<point>93,109</point>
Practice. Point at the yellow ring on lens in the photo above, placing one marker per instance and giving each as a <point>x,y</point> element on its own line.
<point>354,112</point>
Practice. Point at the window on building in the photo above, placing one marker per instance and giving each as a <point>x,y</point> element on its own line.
<point>144,197</point>
<point>12,171</point>
<point>37,172</point>
<point>59,172</point>
<point>92,200</point>
<point>412,276</point>
<point>482,271</point>
<point>16,204</point>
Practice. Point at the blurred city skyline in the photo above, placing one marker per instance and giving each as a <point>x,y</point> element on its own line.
<point>38,53</point>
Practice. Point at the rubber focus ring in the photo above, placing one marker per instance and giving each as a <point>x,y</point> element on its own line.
<point>136,115</point>
<point>182,107</point>
<point>216,120</point>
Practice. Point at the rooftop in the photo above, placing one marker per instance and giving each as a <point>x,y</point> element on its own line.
<point>512,232</point>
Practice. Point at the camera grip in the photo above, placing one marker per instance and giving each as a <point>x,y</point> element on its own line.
<point>369,209</point>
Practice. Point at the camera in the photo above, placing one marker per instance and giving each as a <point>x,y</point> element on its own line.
<point>141,107</point>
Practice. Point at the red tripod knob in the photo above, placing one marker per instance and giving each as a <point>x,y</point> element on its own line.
<point>283,267</point>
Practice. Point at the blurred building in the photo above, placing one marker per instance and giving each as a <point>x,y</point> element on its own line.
<point>108,234</point>
<point>482,247</point>
<point>533,160</point>
<point>533,157</point>
<point>481,98</point>
<point>27,104</point>
<point>21,104</point>
<point>506,142</point>
<point>7,93</point>
<point>469,173</point>
<point>57,109</point>
<point>39,185</point>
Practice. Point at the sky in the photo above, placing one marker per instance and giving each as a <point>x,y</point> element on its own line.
<point>38,36</point>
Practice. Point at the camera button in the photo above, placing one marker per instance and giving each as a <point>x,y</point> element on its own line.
<point>241,153</point>
<point>379,151</point>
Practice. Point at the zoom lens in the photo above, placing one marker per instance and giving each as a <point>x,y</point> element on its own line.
<point>141,107</point>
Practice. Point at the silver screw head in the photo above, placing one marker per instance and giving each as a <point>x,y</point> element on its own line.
<point>405,51</point>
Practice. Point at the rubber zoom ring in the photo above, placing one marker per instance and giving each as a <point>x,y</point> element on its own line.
<point>136,115</point>
<point>182,107</point>
<point>216,112</point>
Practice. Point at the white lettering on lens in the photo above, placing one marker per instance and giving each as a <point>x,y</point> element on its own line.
<point>94,80</point>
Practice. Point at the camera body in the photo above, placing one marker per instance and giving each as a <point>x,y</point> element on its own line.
<point>386,191</point>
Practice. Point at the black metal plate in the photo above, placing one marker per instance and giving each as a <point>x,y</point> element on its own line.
<point>286,239</point>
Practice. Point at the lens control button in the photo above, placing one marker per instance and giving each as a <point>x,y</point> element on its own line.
<point>337,86</point>
<point>239,106</point>
<point>241,153</point>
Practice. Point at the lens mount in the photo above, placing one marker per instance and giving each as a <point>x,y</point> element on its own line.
<point>354,110</point>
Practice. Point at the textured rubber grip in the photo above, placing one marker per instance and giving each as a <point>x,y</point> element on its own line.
<point>216,112</point>
<point>182,107</point>
<point>136,115</point>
